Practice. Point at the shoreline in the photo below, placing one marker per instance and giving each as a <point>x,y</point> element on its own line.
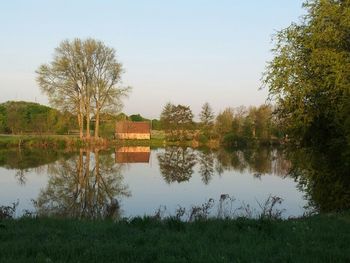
<point>72,141</point>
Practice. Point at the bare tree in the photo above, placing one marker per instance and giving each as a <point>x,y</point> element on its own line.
<point>106,90</point>
<point>63,79</point>
<point>83,78</point>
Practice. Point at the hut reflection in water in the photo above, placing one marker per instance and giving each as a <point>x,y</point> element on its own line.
<point>139,154</point>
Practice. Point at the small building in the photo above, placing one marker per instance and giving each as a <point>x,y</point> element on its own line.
<point>129,130</point>
<point>138,154</point>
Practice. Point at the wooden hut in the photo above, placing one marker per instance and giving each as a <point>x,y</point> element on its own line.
<point>129,130</point>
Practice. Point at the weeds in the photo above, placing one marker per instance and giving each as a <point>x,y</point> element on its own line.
<point>201,212</point>
<point>8,212</point>
<point>227,208</point>
<point>268,210</point>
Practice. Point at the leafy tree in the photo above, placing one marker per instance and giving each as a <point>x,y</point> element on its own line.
<point>3,119</point>
<point>177,120</point>
<point>137,117</point>
<point>309,76</point>
<point>207,115</point>
<point>207,119</point>
<point>20,117</point>
<point>309,79</point>
<point>156,124</point>
<point>223,122</point>
<point>166,115</point>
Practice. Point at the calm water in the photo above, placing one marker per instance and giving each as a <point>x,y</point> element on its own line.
<point>136,181</point>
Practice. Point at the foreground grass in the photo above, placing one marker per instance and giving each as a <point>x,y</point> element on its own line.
<point>316,239</point>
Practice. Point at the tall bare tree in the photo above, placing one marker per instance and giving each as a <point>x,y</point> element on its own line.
<point>106,77</point>
<point>83,78</point>
<point>61,80</point>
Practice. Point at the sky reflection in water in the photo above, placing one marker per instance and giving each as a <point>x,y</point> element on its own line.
<point>137,181</point>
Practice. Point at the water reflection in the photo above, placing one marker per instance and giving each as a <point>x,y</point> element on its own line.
<point>27,159</point>
<point>176,164</point>
<point>258,161</point>
<point>206,165</point>
<point>325,182</point>
<point>87,185</point>
<point>90,182</point>
<point>138,154</point>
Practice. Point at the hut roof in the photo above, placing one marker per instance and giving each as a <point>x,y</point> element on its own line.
<point>132,127</point>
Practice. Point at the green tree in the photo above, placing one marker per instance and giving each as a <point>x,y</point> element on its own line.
<point>156,124</point>
<point>20,116</point>
<point>207,119</point>
<point>309,76</point>
<point>137,117</point>
<point>177,121</point>
<point>309,79</point>
<point>223,122</point>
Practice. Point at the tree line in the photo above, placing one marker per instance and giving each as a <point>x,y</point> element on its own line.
<point>18,117</point>
<point>232,126</point>
<point>22,117</point>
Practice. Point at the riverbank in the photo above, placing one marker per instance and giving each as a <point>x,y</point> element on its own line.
<point>39,141</point>
<point>322,238</point>
<point>64,141</point>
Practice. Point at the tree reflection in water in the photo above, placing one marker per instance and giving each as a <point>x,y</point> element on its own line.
<point>29,159</point>
<point>206,165</point>
<point>88,184</point>
<point>258,161</point>
<point>85,186</point>
<point>325,181</point>
<point>176,164</point>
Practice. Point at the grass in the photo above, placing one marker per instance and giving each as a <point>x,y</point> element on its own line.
<point>322,238</point>
<point>64,141</point>
<point>40,141</point>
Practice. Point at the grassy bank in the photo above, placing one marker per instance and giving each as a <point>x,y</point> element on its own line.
<point>316,239</point>
<point>63,141</point>
<point>40,141</point>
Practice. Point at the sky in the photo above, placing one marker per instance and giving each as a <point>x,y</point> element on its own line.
<point>181,51</point>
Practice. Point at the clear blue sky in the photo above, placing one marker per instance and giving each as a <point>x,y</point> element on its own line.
<point>183,51</point>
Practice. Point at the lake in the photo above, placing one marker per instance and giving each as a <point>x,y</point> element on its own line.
<point>137,181</point>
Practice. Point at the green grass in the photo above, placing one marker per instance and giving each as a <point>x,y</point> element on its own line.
<point>58,141</point>
<point>63,141</point>
<point>323,238</point>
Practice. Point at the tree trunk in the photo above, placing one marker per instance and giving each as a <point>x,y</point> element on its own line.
<point>80,125</point>
<point>88,120</point>
<point>80,119</point>
<point>97,123</point>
